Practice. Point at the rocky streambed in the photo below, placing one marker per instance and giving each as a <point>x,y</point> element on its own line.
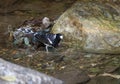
<point>89,55</point>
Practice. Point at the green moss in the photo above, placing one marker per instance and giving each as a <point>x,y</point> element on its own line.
<point>95,70</point>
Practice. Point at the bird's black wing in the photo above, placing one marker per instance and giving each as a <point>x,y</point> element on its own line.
<point>43,39</point>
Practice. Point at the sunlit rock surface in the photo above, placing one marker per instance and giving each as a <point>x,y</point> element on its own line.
<point>14,74</point>
<point>91,27</point>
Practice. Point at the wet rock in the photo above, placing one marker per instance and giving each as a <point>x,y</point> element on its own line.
<point>95,70</point>
<point>107,80</point>
<point>6,3</point>
<point>58,0</point>
<point>111,69</point>
<point>14,74</point>
<point>91,27</point>
<point>88,55</point>
<point>73,77</point>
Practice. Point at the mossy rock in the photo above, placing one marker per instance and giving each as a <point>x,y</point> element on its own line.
<point>91,27</point>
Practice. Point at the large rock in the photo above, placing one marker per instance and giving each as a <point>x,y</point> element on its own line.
<point>91,27</point>
<point>14,74</point>
<point>73,77</point>
<point>107,80</point>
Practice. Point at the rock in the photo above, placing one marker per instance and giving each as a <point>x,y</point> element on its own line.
<point>58,0</point>
<point>6,3</point>
<point>111,69</point>
<point>91,27</point>
<point>73,77</point>
<point>14,74</point>
<point>88,55</point>
<point>107,80</point>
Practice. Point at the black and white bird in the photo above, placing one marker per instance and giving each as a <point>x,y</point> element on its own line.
<point>22,31</point>
<point>48,39</point>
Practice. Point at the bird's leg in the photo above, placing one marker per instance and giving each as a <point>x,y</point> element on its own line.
<point>46,48</point>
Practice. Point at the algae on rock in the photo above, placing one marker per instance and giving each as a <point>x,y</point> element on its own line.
<point>91,27</point>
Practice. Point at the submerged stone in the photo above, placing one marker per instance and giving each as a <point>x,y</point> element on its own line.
<point>73,77</point>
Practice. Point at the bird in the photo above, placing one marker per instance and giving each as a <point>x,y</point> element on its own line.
<point>48,39</point>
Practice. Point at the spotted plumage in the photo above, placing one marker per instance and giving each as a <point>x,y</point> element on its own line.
<point>48,39</point>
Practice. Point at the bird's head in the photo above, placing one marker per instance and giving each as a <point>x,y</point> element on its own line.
<point>59,36</point>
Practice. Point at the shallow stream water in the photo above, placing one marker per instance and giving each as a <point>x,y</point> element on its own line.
<point>64,59</point>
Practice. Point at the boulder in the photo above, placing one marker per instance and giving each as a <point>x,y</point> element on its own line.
<point>15,74</point>
<point>107,80</point>
<point>73,76</point>
<point>91,27</point>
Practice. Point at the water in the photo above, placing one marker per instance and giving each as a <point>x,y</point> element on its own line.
<point>56,61</point>
<point>14,15</point>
